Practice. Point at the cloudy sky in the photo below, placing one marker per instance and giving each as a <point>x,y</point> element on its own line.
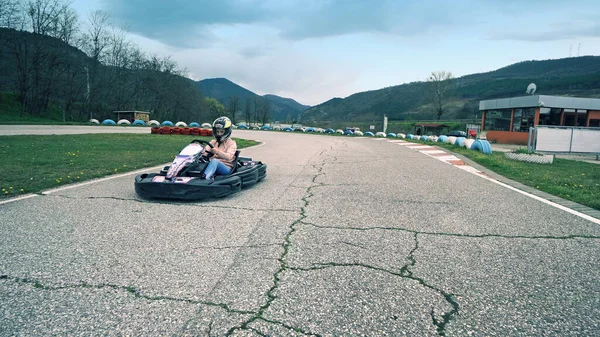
<point>314,50</point>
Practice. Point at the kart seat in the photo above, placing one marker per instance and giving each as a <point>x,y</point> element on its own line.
<point>236,162</point>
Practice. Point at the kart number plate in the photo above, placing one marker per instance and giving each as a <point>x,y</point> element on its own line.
<point>182,180</point>
<point>158,179</point>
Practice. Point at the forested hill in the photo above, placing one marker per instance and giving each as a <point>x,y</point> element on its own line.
<point>222,89</point>
<point>575,76</point>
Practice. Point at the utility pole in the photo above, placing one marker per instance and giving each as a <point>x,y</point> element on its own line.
<point>87,96</point>
<point>570,49</point>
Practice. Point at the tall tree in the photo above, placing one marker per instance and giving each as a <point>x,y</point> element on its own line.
<point>233,105</point>
<point>438,86</point>
<point>10,14</point>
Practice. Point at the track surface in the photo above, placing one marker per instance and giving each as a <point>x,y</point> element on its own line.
<point>345,236</point>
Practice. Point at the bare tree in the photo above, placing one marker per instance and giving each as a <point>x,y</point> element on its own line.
<point>67,27</point>
<point>438,85</point>
<point>10,14</point>
<point>265,110</point>
<point>44,15</point>
<point>248,109</point>
<point>233,105</point>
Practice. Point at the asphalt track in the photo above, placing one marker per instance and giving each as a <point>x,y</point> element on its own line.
<point>345,237</point>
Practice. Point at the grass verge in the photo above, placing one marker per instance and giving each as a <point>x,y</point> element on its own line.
<point>31,164</point>
<point>572,180</point>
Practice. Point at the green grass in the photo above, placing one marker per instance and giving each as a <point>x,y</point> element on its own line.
<point>572,180</point>
<point>31,164</point>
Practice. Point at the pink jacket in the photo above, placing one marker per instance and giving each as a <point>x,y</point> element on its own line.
<point>227,148</point>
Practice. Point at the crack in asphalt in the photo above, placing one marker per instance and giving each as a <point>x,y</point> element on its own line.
<point>283,265</point>
<point>175,203</point>
<point>128,289</point>
<point>404,272</point>
<point>239,247</point>
<point>502,236</point>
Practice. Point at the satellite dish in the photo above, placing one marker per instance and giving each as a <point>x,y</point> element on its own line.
<point>531,89</point>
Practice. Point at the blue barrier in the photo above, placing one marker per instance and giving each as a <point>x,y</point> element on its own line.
<point>442,139</point>
<point>167,123</point>
<point>138,122</point>
<point>108,122</point>
<point>194,125</point>
<point>482,145</point>
<point>460,141</point>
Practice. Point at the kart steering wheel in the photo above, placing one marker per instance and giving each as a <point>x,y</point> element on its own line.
<point>202,142</point>
<point>205,154</point>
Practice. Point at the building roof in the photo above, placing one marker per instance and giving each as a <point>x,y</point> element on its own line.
<point>138,112</point>
<point>432,125</point>
<point>541,101</point>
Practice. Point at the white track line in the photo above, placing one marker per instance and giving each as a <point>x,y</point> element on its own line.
<point>104,179</point>
<point>481,174</point>
<point>27,196</point>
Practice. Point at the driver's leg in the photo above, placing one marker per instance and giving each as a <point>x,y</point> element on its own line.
<point>222,169</point>
<point>216,166</point>
<point>210,169</point>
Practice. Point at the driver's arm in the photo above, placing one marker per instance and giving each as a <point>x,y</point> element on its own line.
<point>228,153</point>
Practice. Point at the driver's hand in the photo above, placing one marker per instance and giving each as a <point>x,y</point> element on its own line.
<point>214,151</point>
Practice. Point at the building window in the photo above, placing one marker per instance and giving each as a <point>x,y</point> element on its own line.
<point>549,116</point>
<point>523,119</point>
<point>497,120</point>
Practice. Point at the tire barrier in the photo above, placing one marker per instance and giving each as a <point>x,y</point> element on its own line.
<point>108,122</point>
<point>369,133</point>
<point>181,124</point>
<point>195,131</point>
<point>468,142</point>
<point>482,145</point>
<point>442,139</point>
<point>329,131</point>
<point>340,131</point>
<point>167,123</point>
<point>380,134</point>
<point>424,138</point>
<point>460,141</point>
<point>358,133</point>
<point>93,120</point>
<point>401,135</point>
<point>185,131</point>
<point>391,134</point>
<point>123,121</point>
<point>176,130</point>
<point>155,130</point>
<point>138,122</point>
<point>288,129</point>
<point>451,140</point>
<point>154,123</point>
<point>194,125</point>
<point>209,126</point>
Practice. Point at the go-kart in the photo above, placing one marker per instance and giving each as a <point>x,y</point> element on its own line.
<point>183,179</point>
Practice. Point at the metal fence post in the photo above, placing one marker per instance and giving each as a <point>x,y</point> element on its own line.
<point>571,142</point>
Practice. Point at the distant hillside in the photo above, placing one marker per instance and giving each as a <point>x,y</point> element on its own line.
<point>222,89</point>
<point>577,76</point>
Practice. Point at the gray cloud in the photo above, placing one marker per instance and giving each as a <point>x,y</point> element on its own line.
<point>175,22</point>
<point>536,35</point>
